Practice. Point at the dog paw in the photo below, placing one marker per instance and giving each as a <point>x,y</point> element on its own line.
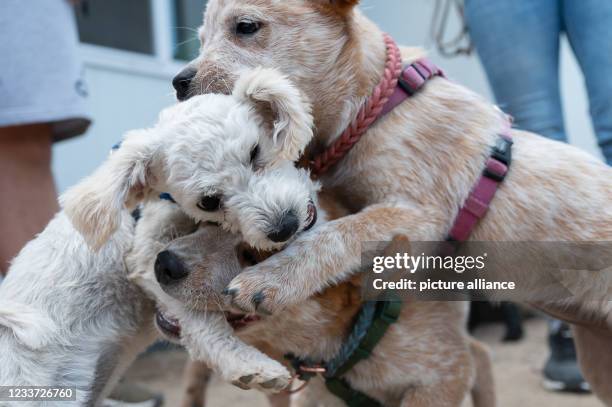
<point>270,376</point>
<point>251,292</point>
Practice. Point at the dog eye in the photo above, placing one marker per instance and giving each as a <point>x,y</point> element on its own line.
<point>247,27</point>
<point>254,153</point>
<point>210,203</point>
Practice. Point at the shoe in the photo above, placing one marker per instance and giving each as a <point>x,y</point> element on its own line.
<point>128,394</point>
<point>561,372</point>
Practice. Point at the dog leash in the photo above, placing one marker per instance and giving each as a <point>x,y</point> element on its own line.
<point>366,116</point>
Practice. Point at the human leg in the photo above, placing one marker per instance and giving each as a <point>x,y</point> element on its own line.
<point>27,190</point>
<point>587,24</point>
<point>518,44</point>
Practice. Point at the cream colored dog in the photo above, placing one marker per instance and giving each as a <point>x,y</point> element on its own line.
<point>413,170</point>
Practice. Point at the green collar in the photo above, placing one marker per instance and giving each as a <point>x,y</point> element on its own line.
<point>371,324</point>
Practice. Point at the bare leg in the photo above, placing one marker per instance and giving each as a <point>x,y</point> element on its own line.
<point>27,191</point>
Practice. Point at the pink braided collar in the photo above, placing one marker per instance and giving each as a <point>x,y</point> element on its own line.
<point>367,115</point>
<point>396,86</point>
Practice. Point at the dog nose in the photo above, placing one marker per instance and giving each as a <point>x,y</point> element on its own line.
<point>182,83</point>
<point>286,227</point>
<point>169,268</point>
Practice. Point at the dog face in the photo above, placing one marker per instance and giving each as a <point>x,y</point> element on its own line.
<point>302,37</point>
<point>194,269</point>
<point>225,159</point>
<point>191,273</point>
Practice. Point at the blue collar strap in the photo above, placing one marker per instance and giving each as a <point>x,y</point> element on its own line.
<point>166,197</point>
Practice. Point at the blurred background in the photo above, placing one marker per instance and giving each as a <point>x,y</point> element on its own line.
<point>132,49</point>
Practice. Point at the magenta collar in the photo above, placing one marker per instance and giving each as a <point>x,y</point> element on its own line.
<point>478,201</point>
<point>411,80</point>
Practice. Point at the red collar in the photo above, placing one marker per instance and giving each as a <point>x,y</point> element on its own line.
<point>397,85</point>
<point>367,115</point>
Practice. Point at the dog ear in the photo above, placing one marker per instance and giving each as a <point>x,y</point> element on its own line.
<point>341,7</point>
<point>282,104</point>
<point>95,205</point>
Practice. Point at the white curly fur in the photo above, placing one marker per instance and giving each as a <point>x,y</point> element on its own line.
<point>203,147</point>
<point>293,124</point>
<point>68,315</point>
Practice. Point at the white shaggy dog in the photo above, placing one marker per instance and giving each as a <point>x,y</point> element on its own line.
<point>209,154</point>
<point>70,316</point>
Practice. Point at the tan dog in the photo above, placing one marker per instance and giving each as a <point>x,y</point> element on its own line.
<point>412,170</point>
<point>425,359</point>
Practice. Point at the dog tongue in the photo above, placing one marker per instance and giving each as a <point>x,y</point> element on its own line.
<point>169,324</point>
<point>312,216</point>
<point>238,321</point>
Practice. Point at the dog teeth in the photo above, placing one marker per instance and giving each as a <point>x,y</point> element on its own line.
<point>312,216</point>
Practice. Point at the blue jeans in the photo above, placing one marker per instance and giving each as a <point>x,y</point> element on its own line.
<point>518,43</point>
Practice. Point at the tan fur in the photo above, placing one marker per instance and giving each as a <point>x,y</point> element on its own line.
<point>595,358</point>
<point>425,359</point>
<point>283,104</point>
<point>483,392</point>
<point>195,379</point>
<point>340,7</point>
<point>413,170</point>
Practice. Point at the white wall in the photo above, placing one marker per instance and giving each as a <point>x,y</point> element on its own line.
<point>127,91</point>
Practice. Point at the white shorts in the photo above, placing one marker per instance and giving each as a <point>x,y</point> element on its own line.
<point>41,77</point>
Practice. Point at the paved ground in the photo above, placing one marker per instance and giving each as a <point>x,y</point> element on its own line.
<point>517,375</point>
